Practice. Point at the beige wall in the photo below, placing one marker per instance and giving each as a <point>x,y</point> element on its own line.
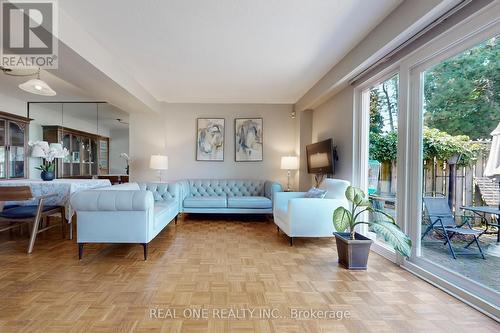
<point>118,143</point>
<point>334,119</point>
<point>173,132</point>
<point>12,105</point>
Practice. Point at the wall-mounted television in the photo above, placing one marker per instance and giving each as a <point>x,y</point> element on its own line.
<point>321,157</point>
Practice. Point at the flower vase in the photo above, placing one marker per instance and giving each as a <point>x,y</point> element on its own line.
<point>48,175</point>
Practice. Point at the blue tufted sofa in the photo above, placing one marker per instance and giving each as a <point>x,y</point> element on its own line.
<point>228,196</point>
<point>126,213</point>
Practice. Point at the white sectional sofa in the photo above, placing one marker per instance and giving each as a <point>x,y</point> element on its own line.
<point>127,213</point>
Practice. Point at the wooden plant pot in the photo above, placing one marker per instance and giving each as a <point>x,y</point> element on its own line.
<point>353,253</point>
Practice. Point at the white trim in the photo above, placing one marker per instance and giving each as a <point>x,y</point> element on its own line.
<point>361,146</point>
<point>385,251</point>
<point>445,285</point>
<point>474,30</point>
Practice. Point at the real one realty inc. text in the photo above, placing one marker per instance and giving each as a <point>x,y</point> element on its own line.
<point>247,313</point>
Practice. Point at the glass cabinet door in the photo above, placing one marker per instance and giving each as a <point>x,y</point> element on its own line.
<point>86,157</point>
<point>103,156</point>
<point>16,150</point>
<point>66,162</point>
<point>75,155</point>
<point>93,157</point>
<point>3,147</point>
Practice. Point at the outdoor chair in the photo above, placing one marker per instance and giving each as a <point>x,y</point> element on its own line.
<point>442,220</point>
<point>18,215</point>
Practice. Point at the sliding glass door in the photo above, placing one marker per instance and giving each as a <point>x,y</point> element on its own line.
<point>459,109</point>
<point>422,138</point>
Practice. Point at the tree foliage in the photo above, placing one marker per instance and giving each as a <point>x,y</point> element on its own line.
<point>383,146</point>
<point>462,94</point>
<point>384,106</point>
<point>436,144</point>
<point>461,103</point>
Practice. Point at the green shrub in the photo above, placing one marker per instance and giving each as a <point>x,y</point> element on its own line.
<point>436,144</point>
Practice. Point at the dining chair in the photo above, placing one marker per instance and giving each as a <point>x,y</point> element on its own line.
<point>19,215</point>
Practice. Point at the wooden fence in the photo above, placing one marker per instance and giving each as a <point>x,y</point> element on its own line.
<point>436,179</point>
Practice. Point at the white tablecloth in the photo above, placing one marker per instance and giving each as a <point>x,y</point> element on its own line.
<point>64,188</point>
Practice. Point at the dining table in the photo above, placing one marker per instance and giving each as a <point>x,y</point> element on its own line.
<point>62,188</point>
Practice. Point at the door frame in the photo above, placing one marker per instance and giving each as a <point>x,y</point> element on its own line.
<point>473,30</point>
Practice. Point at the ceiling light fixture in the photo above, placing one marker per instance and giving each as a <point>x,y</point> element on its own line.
<point>37,87</point>
<point>121,121</point>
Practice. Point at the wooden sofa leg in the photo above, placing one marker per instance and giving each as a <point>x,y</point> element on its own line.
<point>175,221</point>
<point>145,248</point>
<point>80,251</point>
<point>278,230</point>
<point>291,241</point>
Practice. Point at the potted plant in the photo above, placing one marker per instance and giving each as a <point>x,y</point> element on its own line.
<point>127,160</point>
<point>352,248</point>
<point>48,153</point>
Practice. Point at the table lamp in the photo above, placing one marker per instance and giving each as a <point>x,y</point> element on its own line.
<point>289,163</point>
<point>158,162</point>
<point>40,149</point>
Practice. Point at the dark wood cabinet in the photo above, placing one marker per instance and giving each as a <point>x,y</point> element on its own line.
<point>13,146</point>
<point>85,158</point>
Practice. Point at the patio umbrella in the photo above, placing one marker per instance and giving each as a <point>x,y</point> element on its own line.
<point>492,169</point>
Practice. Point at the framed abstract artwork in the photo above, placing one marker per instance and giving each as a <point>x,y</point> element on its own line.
<point>248,136</point>
<point>210,139</point>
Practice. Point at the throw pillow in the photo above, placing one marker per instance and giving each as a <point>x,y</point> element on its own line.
<point>316,193</point>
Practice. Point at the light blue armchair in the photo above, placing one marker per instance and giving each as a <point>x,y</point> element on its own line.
<point>298,216</point>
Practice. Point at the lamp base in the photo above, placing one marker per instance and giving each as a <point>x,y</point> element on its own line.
<point>288,181</point>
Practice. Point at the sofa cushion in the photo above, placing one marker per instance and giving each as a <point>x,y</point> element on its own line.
<point>206,202</point>
<point>161,191</point>
<point>120,187</point>
<point>164,208</point>
<point>335,188</point>
<point>249,202</point>
<point>226,187</point>
<point>315,193</point>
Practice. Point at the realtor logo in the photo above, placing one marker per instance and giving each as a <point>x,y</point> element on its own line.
<point>28,34</point>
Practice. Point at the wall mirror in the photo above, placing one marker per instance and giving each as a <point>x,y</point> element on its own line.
<point>96,135</point>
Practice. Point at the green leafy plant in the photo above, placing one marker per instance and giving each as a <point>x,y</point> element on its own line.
<point>344,219</point>
<point>47,167</point>
<point>442,146</point>
<point>383,147</point>
<point>436,144</point>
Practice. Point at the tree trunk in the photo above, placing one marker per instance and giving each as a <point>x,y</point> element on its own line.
<point>389,106</point>
<point>385,177</point>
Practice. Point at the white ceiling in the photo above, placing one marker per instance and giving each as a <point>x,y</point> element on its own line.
<point>67,92</point>
<point>228,51</point>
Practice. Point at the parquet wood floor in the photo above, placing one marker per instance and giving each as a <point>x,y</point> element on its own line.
<point>216,265</point>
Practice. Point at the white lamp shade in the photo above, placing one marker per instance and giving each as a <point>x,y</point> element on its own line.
<point>37,151</point>
<point>38,87</point>
<point>289,163</point>
<point>40,149</point>
<point>58,149</point>
<point>158,162</point>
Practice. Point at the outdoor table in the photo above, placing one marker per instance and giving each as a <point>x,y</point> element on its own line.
<point>481,211</point>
